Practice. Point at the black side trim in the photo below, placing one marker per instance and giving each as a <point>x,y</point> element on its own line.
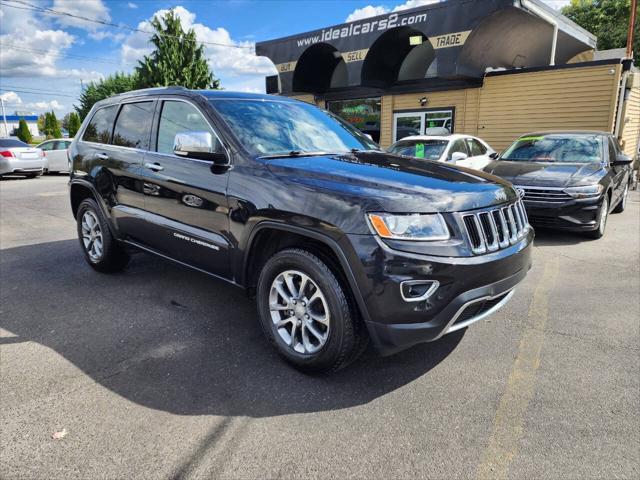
<point>166,257</point>
<point>330,242</point>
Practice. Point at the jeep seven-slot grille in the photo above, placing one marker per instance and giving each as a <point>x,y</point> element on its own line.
<point>491,230</point>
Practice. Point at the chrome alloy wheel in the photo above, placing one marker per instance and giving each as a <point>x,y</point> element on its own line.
<point>299,312</point>
<point>92,236</point>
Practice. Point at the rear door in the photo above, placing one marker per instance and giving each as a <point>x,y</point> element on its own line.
<point>185,198</point>
<point>113,147</point>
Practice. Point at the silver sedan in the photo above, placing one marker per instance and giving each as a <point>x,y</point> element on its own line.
<point>16,157</point>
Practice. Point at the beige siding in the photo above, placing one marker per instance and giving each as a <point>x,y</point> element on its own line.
<point>305,98</point>
<point>631,117</point>
<point>573,98</point>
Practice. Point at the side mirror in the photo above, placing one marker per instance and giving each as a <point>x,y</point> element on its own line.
<point>621,160</point>
<point>198,145</point>
<point>494,156</point>
<point>457,156</point>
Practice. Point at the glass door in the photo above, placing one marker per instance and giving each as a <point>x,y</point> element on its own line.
<point>417,123</point>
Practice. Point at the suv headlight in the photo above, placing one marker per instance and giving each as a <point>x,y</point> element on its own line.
<point>427,227</point>
<point>588,191</point>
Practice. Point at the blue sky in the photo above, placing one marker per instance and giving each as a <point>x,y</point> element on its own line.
<point>45,57</point>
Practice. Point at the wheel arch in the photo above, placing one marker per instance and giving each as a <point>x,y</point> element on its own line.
<point>276,236</point>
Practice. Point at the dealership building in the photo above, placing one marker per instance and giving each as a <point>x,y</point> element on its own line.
<point>491,68</point>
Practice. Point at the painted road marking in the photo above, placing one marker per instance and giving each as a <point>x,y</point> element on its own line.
<point>509,420</point>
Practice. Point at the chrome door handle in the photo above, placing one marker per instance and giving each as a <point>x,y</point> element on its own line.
<point>102,156</point>
<point>156,167</point>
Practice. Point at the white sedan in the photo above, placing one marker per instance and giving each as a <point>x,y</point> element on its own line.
<point>16,157</point>
<point>462,150</point>
<point>56,154</point>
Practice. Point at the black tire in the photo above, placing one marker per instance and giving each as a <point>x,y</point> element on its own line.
<point>622,204</point>
<point>603,215</point>
<point>33,175</point>
<point>113,257</point>
<point>345,334</point>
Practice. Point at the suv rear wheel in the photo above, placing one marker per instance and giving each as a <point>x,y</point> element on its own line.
<point>306,314</point>
<point>100,249</point>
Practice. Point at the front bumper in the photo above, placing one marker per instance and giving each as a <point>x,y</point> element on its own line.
<point>575,215</point>
<point>470,288</point>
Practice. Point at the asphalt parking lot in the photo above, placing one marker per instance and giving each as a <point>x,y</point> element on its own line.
<point>163,372</point>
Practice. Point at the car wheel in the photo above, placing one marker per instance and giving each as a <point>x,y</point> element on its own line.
<point>100,249</point>
<point>306,314</point>
<point>603,215</point>
<point>623,201</point>
<point>33,175</point>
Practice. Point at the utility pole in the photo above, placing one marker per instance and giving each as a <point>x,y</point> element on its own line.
<point>632,26</point>
<point>4,118</point>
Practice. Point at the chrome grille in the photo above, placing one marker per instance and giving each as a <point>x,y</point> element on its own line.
<point>491,230</point>
<point>544,194</point>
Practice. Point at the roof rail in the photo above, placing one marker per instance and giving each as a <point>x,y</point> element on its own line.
<point>151,89</point>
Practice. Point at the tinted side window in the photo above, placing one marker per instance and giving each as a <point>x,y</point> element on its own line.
<point>46,146</point>
<point>458,146</point>
<point>475,147</point>
<point>133,126</point>
<point>178,117</point>
<point>99,128</point>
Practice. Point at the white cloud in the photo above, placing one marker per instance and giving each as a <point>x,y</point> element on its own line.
<point>372,11</point>
<point>366,12</point>
<point>132,5</point>
<point>94,9</point>
<point>46,106</point>
<point>236,67</point>
<point>11,97</point>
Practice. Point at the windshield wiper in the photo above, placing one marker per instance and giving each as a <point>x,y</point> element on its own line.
<point>293,153</point>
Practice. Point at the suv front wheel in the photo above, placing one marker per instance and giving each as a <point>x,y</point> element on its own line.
<point>306,313</point>
<point>100,249</point>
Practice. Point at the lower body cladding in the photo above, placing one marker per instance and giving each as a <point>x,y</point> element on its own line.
<point>413,298</point>
<point>577,215</point>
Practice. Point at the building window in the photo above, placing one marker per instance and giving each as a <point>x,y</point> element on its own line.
<point>406,124</point>
<point>363,113</point>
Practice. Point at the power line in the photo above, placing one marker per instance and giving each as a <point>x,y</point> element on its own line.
<point>4,86</point>
<point>60,54</point>
<point>50,11</point>
<point>25,92</point>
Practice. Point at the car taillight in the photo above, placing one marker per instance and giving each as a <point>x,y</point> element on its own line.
<point>6,153</point>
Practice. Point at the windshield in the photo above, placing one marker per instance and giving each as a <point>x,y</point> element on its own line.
<point>281,128</point>
<point>556,148</point>
<point>10,143</point>
<point>429,149</point>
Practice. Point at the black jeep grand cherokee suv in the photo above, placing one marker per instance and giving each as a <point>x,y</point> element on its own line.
<point>339,241</point>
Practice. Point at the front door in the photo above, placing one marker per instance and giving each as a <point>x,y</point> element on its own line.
<point>185,198</point>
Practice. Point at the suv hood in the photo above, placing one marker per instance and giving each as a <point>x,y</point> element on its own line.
<point>392,183</point>
<point>545,174</point>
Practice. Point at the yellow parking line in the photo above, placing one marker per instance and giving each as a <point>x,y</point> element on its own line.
<point>508,422</point>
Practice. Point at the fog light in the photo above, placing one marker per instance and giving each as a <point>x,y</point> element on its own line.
<point>418,290</point>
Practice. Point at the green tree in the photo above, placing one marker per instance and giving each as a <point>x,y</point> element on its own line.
<point>96,91</point>
<point>178,58</point>
<point>606,19</point>
<point>23,132</point>
<point>51,125</point>
<point>73,124</point>
<point>41,118</point>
